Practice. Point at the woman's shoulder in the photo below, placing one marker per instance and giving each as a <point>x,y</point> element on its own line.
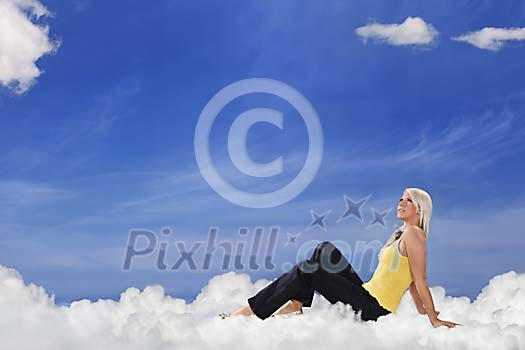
<point>413,231</point>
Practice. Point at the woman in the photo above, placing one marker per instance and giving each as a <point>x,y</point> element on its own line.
<point>402,266</point>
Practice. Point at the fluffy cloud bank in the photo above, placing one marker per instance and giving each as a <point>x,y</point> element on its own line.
<point>490,38</point>
<point>149,319</point>
<point>22,42</point>
<point>413,31</point>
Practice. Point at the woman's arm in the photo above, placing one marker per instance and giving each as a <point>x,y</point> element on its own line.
<point>417,300</point>
<point>416,251</point>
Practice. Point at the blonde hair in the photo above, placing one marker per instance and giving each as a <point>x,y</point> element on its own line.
<point>423,202</point>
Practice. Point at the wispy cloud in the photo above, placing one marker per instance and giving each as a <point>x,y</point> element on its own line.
<point>413,31</point>
<point>19,193</point>
<point>477,141</point>
<point>22,43</point>
<point>181,192</point>
<point>185,193</point>
<point>100,118</point>
<point>90,124</point>
<point>21,200</point>
<point>491,38</point>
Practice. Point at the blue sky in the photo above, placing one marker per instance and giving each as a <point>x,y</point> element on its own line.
<point>103,141</point>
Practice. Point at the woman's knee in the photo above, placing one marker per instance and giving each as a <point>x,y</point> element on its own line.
<point>323,246</point>
<point>329,257</point>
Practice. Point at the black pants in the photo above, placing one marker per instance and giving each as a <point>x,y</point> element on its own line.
<point>327,272</point>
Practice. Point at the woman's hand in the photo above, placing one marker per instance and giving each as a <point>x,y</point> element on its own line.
<point>437,322</point>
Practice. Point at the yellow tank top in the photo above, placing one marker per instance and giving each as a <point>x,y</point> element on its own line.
<point>391,278</point>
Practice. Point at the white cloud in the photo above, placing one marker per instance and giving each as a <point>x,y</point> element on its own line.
<point>149,319</point>
<point>413,31</point>
<point>490,38</point>
<point>22,42</point>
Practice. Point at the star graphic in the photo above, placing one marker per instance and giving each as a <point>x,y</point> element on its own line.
<point>379,218</point>
<point>318,220</point>
<point>353,208</point>
<point>292,238</point>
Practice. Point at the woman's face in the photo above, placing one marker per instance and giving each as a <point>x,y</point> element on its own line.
<point>406,208</point>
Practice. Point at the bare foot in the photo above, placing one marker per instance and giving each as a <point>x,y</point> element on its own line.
<point>289,307</point>
<point>245,310</point>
